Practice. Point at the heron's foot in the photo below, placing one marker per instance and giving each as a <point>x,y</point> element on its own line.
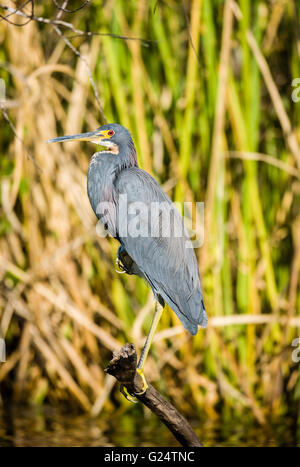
<point>145,384</point>
<point>128,396</point>
<point>121,268</point>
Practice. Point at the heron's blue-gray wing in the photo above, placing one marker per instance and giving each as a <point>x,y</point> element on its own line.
<point>158,247</point>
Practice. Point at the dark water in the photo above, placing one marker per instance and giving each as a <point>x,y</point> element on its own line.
<point>50,427</point>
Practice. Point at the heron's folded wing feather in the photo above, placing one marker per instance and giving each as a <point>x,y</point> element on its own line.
<point>168,265</point>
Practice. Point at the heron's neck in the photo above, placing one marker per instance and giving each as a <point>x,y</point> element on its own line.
<point>104,168</point>
<point>123,157</point>
<point>127,156</point>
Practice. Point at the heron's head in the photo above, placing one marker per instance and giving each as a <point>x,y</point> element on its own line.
<point>115,138</point>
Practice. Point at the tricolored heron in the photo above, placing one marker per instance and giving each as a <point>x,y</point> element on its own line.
<point>166,261</point>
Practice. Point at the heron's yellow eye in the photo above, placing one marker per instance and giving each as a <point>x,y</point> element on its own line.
<point>110,132</point>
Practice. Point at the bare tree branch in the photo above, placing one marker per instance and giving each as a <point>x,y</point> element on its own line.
<point>18,10</point>
<point>123,368</point>
<point>67,25</point>
<point>65,10</point>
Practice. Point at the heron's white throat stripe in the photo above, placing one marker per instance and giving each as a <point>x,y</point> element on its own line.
<point>111,147</point>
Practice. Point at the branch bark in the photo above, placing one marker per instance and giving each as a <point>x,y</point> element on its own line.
<point>123,367</point>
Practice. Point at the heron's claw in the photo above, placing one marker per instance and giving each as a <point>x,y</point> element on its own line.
<point>128,396</point>
<point>121,267</point>
<point>145,384</point>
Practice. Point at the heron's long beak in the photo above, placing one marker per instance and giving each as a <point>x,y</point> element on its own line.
<point>95,136</point>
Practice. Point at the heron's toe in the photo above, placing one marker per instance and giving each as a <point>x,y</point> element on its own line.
<point>127,396</point>
<point>145,384</point>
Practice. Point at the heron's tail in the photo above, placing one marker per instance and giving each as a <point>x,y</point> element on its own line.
<point>190,311</point>
<point>194,312</point>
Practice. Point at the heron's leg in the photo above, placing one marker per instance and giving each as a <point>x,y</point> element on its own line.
<point>157,314</point>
